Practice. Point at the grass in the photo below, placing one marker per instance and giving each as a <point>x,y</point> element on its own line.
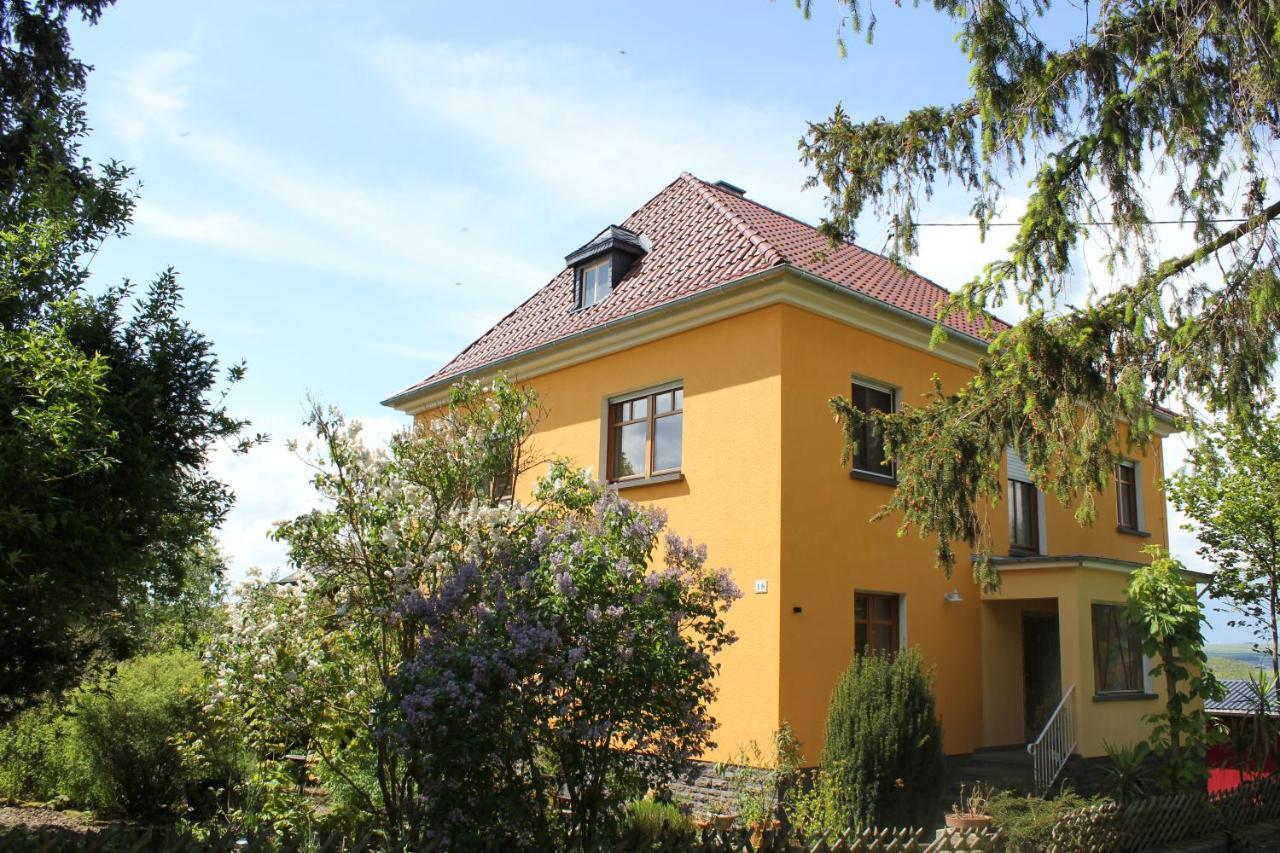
<point>1235,660</point>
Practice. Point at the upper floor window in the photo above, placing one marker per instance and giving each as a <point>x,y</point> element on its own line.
<point>870,458</point>
<point>1117,652</point>
<point>875,623</point>
<point>1025,533</point>
<point>595,282</point>
<point>1024,517</point>
<point>645,434</point>
<point>1127,496</point>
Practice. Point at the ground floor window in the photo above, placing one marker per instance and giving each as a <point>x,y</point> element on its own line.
<point>875,622</point>
<point>1117,651</point>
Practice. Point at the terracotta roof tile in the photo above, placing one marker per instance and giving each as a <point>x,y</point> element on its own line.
<point>701,236</point>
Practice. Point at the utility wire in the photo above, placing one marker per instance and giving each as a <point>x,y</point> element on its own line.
<point>1099,224</point>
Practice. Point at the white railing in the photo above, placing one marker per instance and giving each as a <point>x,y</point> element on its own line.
<point>1056,743</point>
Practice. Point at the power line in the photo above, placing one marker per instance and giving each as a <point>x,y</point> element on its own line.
<point>1091,222</point>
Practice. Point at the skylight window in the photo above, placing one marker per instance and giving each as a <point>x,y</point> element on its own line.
<point>595,282</point>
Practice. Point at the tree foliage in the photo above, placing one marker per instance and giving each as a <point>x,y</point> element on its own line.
<point>1163,609</point>
<point>37,73</point>
<point>1228,492</point>
<point>883,742</point>
<point>1179,89</point>
<point>109,408</point>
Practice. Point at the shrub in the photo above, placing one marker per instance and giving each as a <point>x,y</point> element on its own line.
<point>884,743</point>
<point>760,781</point>
<point>815,808</point>
<point>130,727</point>
<point>650,825</point>
<point>1126,777</point>
<point>38,759</point>
<point>1026,822</point>
<point>561,661</point>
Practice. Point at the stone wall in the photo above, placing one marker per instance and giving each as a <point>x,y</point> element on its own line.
<point>706,790</point>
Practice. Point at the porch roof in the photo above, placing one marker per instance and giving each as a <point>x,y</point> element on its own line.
<point>1082,561</point>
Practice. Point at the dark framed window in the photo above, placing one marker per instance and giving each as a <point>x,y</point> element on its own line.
<point>870,458</point>
<point>1117,651</point>
<point>875,622</point>
<point>1127,495</point>
<point>1024,518</point>
<point>645,435</point>
<point>595,282</point>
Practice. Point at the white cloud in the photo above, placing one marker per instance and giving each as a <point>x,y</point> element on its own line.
<point>307,214</point>
<point>574,122</point>
<point>951,253</point>
<point>273,483</point>
<point>153,95</point>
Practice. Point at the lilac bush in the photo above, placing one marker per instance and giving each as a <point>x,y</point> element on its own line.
<point>566,668</point>
<point>308,666</point>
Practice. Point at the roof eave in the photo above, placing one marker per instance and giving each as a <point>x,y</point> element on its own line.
<point>978,345</point>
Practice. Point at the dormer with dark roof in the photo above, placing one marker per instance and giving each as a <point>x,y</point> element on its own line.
<point>602,262</point>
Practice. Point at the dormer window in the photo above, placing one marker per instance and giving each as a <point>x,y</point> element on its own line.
<point>599,266</point>
<point>595,282</point>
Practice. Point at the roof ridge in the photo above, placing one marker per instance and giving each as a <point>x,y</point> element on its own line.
<point>757,239</point>
<point>841,243</point>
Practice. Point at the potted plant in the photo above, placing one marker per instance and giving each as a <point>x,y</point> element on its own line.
<point>971,812</point>
<point>719,821</point>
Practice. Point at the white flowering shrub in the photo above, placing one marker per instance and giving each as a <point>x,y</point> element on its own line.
<point>306,666</point>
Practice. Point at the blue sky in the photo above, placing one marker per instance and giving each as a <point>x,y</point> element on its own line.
<point>351,192</point>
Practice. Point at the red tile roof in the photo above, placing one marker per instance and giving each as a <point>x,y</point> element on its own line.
<point>701,236</point>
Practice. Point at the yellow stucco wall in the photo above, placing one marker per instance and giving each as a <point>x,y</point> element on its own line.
<point>830,548</point>
<point>764,489</point>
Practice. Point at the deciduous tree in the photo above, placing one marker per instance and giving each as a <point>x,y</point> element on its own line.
<point>1229,493</point>
<point>1163,609</point>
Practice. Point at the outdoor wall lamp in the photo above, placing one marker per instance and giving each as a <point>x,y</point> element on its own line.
<point>953,597</point>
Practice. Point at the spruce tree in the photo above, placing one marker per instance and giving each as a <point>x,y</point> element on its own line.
<point>1082,112</point>
<point>884,743</point>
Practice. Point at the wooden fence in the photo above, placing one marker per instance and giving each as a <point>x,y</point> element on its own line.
<point>1160,821</point>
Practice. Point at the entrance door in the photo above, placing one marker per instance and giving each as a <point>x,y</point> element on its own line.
<point>1041,670</point>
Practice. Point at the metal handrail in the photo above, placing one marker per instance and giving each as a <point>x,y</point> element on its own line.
<point>1057,741</point>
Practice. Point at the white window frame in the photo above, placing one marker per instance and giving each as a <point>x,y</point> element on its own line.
<point>895,395</point>
<point>1042,526</point>
<point>1140,522</point>
<point>597,296</point>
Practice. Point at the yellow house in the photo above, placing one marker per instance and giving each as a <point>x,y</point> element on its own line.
<point>687,357</point>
